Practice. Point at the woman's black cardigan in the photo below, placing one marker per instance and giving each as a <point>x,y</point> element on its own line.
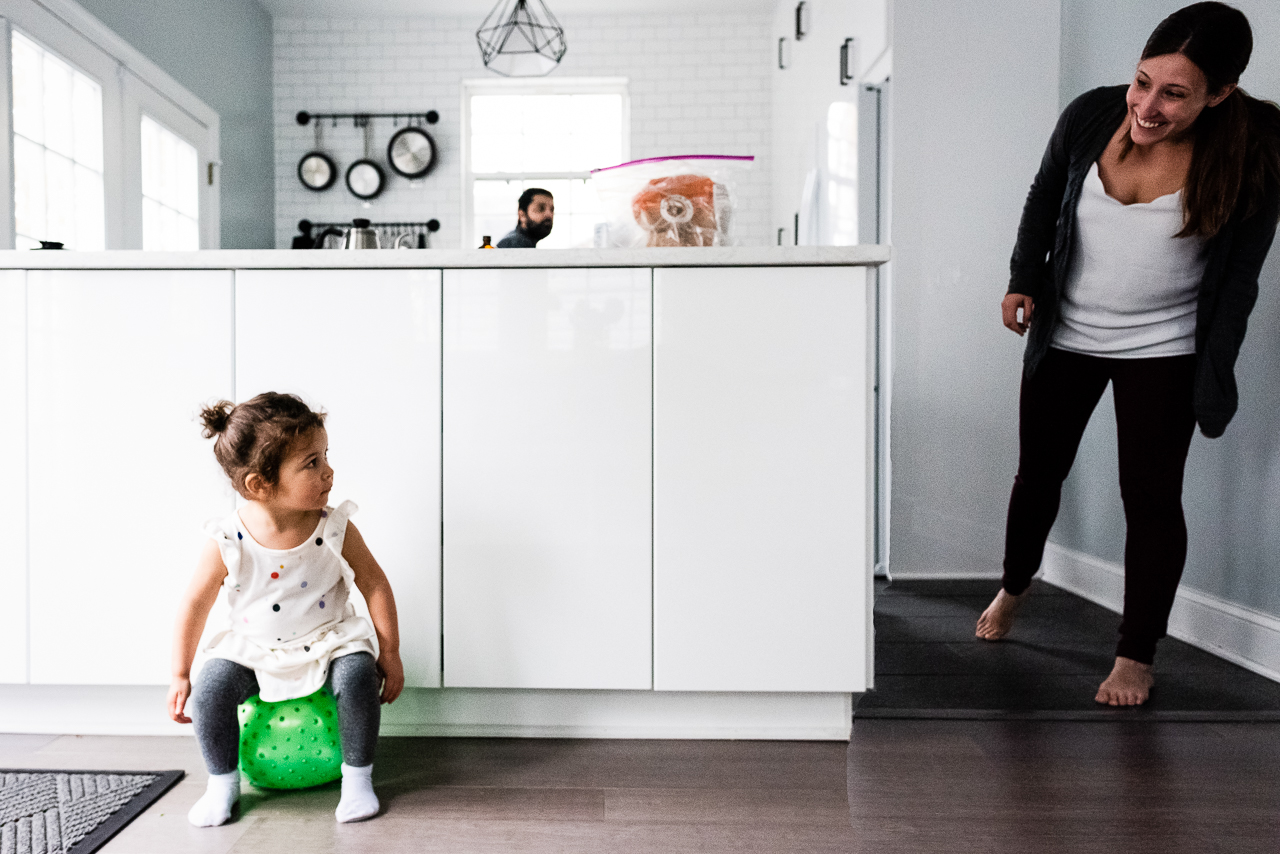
<point>1043,252</point>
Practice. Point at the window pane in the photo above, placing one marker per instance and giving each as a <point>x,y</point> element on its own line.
<point>28,188</point>
<point>58,134</point>
<point>28,105</point>
<point>531,134</point>
<point>86,110</point>
<point>60,187</point>
<point>170,190</point>
<point>577,207</point>
<point>90,233</point>
<point>57,147</point>
<point>545,133</point>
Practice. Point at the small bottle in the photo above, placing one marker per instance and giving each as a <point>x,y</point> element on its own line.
<point>486,244</point>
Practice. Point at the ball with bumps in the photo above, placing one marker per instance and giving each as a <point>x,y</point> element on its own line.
<point>292,744</point>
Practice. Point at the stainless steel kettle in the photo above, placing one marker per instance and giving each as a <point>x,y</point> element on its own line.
<point>360,236</point>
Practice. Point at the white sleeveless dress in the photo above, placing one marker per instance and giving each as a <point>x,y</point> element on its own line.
<point>291,610</point>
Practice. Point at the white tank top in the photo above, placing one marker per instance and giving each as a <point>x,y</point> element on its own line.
<point>1132,286</point>
<point>291,609</point>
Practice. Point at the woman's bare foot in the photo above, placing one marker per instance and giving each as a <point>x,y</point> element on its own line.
<point>1129,684</point>
<point>996,621</point>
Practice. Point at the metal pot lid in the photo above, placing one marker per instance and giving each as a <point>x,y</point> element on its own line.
<point>411,152</point>
<point>365,179</point>
<point>316,171</point>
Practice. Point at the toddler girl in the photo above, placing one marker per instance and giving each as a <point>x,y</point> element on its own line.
<point>288,561</point>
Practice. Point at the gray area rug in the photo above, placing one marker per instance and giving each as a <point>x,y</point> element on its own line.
<point>930,666</point>
<point>73,812</point>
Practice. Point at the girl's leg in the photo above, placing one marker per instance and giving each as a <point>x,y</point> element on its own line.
<point>355,684</point>
<point>1155,421</point>
<point>1054,409</point>
<point>220,686</point>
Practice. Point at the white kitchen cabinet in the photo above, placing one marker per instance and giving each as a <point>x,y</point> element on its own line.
<point>364,345</point>
<point>815,117</point>
<point>547,508</point>
<point>760,486</point>
<point>120,480</point>
<point>13,475</point>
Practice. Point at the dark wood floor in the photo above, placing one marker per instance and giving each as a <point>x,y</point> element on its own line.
<point>1024,786</point>
<point>897,786</point>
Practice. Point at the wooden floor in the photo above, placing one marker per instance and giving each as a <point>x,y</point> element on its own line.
<point>898,786</point>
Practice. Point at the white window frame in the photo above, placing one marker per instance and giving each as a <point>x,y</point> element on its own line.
<point>131,85</point>
<point>534,86</point>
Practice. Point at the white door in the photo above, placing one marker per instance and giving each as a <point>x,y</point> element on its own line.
<point>547,478</point>
<point>13,475</point>
<point>120,481</point>
<point>760,485</point>
<point>364,345</point>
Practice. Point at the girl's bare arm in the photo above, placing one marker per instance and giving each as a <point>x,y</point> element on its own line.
<point>376,590</point>
<point>193,611</point>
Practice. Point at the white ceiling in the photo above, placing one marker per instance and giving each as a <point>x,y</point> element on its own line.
<point>479,8</point>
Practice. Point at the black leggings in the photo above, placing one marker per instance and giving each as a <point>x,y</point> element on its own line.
<point>1154,425</point>
<point>222,685</point>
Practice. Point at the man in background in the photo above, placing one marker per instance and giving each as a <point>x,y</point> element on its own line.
<point>534,217</point>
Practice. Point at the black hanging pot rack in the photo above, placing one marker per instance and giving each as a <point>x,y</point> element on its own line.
<point>304,117</point>
<point>411,152</point>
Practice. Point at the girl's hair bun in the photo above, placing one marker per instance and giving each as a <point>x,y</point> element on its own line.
<point>215,418</point>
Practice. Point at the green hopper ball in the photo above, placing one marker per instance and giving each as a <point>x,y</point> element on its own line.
<point>292,744</point>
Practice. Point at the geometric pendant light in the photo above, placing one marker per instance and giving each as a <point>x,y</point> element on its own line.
<point>521,38</point>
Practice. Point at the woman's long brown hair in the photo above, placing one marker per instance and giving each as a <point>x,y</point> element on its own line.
<point>1235,165</point>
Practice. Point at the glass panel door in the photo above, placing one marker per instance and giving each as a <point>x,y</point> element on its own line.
<point>57,151</point>
<point>170,190</point>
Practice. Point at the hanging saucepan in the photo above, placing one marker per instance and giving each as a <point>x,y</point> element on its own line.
<point>365,179</point>
<point>412,151</point>
<point>316,170</point>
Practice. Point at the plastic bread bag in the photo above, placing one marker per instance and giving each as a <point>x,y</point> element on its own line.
<point>669,201</point>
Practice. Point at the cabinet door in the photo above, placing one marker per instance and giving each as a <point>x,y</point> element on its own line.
<point>13,475</point>
<point>120,480</point>
<point>547,506</point>
<point>364,345</point>
<point>761,563</point>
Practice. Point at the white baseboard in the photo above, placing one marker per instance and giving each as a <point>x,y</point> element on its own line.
<point>140,710</point>
<point>1241,635</point>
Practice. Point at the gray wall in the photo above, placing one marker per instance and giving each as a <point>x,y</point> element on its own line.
<point>1232,491</point>
<point>975,97</point>
<point>221,51</point>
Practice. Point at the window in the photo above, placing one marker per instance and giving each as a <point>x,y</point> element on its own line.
<point>99,148</point>
<point>57,151</point>
<point>544,134</point>
<point>170,190</point>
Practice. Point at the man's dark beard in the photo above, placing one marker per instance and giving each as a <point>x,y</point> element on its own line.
<point>535,231</point>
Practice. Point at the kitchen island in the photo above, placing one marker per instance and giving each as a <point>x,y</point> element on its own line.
<point>620,493</point>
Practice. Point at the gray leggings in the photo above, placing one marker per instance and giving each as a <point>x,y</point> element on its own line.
<point>222,685</point>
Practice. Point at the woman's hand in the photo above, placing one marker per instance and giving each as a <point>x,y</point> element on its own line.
<point>1009,308</point>
<point>179,692</point>
<point>392,673</point>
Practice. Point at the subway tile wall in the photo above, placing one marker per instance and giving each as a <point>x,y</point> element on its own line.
<point>699,84</point>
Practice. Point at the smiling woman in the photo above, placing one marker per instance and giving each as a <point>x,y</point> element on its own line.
<point>1138,255</point>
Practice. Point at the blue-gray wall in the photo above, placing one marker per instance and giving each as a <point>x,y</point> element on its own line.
<point>1232,491</point>
<point>221,51</point>
<point>973,104</point>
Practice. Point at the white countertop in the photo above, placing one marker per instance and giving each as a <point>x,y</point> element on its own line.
<point>242,259</point>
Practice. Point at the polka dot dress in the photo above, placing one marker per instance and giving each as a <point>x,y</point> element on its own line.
<point>290,608</point>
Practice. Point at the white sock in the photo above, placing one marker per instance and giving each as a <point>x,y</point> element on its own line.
<point>214,806</point>
<point>358,801</point>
